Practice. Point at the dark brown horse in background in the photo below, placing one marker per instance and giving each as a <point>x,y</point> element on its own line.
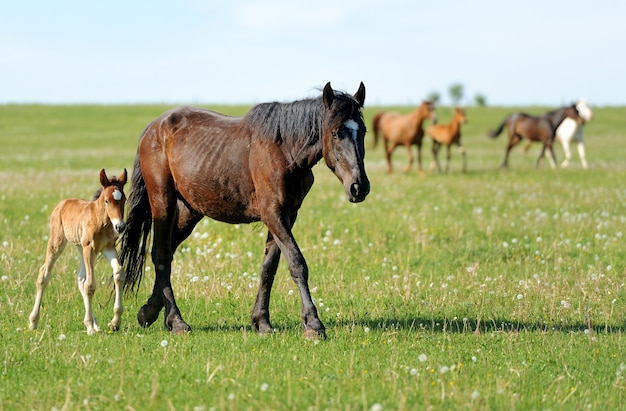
<point>406,130</point>
<point>193,163</point>
<point>535,128</point>
<point>448,134</point>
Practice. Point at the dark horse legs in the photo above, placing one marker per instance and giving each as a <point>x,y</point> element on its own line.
<point>162,293</point>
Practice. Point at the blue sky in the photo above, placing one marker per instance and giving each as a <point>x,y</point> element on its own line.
<point>232,52</point>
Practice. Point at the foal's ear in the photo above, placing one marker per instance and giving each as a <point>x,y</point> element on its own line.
<point>104,180</point>
<point>328,95</point>
<point>122,178</point>
<point>360,94</point>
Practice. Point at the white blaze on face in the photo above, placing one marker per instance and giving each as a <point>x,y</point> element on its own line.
<point>353,126</point>
<point>117,195</point>
<point>583,110</point>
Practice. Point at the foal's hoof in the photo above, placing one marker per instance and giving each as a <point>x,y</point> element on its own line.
<point>178,326</point>
<point>114,327</point>
<point>311,334</point>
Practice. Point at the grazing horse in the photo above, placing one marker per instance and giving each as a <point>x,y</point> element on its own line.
<point>448,134</point>
<point>535,128</point>
<point>407,130</point>
<point>92,226</point>
<point>193,163</point>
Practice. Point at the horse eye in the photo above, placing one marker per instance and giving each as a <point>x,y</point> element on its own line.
<point>335,134</point>
<point>106,202</point>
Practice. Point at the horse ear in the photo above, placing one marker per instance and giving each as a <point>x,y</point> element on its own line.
<point>328,95</point>
<point>122,179</point>
<point>104,180</point>
<point>360,94</point>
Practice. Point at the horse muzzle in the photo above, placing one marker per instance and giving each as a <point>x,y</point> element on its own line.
<point>358,191</point>
<point>119,226</point>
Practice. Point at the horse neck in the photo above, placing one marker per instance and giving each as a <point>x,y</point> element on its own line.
<point>455,124</point>
<point>417,117</point>
<point>99,211</point>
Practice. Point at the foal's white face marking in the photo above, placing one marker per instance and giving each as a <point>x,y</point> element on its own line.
<point>117,195</point>
<point>353,126</point>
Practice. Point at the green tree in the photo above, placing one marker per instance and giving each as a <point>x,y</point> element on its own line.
<point>480,100</point>
<point>456,93</point>
<point>433,97</point>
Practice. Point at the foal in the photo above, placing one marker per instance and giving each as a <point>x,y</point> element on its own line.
<point>448,134</point>
<point>92,226</point>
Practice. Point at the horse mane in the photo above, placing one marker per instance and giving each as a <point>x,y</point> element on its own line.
<point>287,121</point>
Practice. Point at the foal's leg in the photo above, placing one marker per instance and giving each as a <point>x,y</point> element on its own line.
<point>87,286</point>
<point>261,311</point>
<point>512,143</point>
<point>56,244</point>
<point>568,154</point>
<point>118,279</point>
<point>462,151</point>
<point>388,150</point>
<point>448,156</point>
<point>435,163</point>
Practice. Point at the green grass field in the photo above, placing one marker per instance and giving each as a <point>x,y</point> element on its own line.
<point>493,289</point>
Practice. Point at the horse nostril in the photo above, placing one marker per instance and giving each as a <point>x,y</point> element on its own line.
<point>120,227</point>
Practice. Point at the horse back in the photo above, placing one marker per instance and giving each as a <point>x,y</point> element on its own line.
<point>80,223</point>
<point>204,157</point>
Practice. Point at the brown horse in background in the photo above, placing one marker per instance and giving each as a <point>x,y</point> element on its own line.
<point>92,226</point>
<point>406,130</point>
<point>535,128</point>
<point>448,134</point>
<point>192,163</point>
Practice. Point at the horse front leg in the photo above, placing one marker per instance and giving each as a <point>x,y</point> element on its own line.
<point>119,277</point>
<point>87,286</point>
<point>261,311</point>
<point>550,154</point>
<point>568,153</point>
<point>313,327</point>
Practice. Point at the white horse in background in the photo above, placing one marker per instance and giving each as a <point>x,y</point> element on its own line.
<point>570,129</point>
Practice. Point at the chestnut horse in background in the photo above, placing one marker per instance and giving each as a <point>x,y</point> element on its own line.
<point>448,134</point>
<point>92,226</point>
<point>535,128</point>
<point>406,130</point>
<point>192,163</point>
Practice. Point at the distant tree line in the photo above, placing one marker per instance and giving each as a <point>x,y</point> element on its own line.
<point>456,92</point>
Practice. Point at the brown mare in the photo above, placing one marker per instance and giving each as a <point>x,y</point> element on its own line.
<point>406,130</point>
<point>92,226</point>
<point>448,134</point>
<point>535,128</point>
<point>193,163</point>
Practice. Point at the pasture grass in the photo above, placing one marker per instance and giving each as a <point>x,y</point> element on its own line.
<point>493,289</point>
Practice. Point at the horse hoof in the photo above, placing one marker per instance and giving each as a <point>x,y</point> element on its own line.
<point>147,315</point>
<point>311,334</point>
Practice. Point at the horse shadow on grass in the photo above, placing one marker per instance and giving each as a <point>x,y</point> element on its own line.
<point>431,325</point>
<point>479,326</point>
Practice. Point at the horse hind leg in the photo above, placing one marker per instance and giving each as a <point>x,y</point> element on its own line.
<point>56,245</point>
<point>261,311</point>
<point>119,277</point>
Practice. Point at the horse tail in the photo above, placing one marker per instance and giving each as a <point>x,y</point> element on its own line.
<point>134,240</point>
<point>375,125</point>
<point>495,133</point>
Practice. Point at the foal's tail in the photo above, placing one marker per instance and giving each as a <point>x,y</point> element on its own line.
<point>375,125</point>
<point>495,133</point>
<point>135,237</point>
